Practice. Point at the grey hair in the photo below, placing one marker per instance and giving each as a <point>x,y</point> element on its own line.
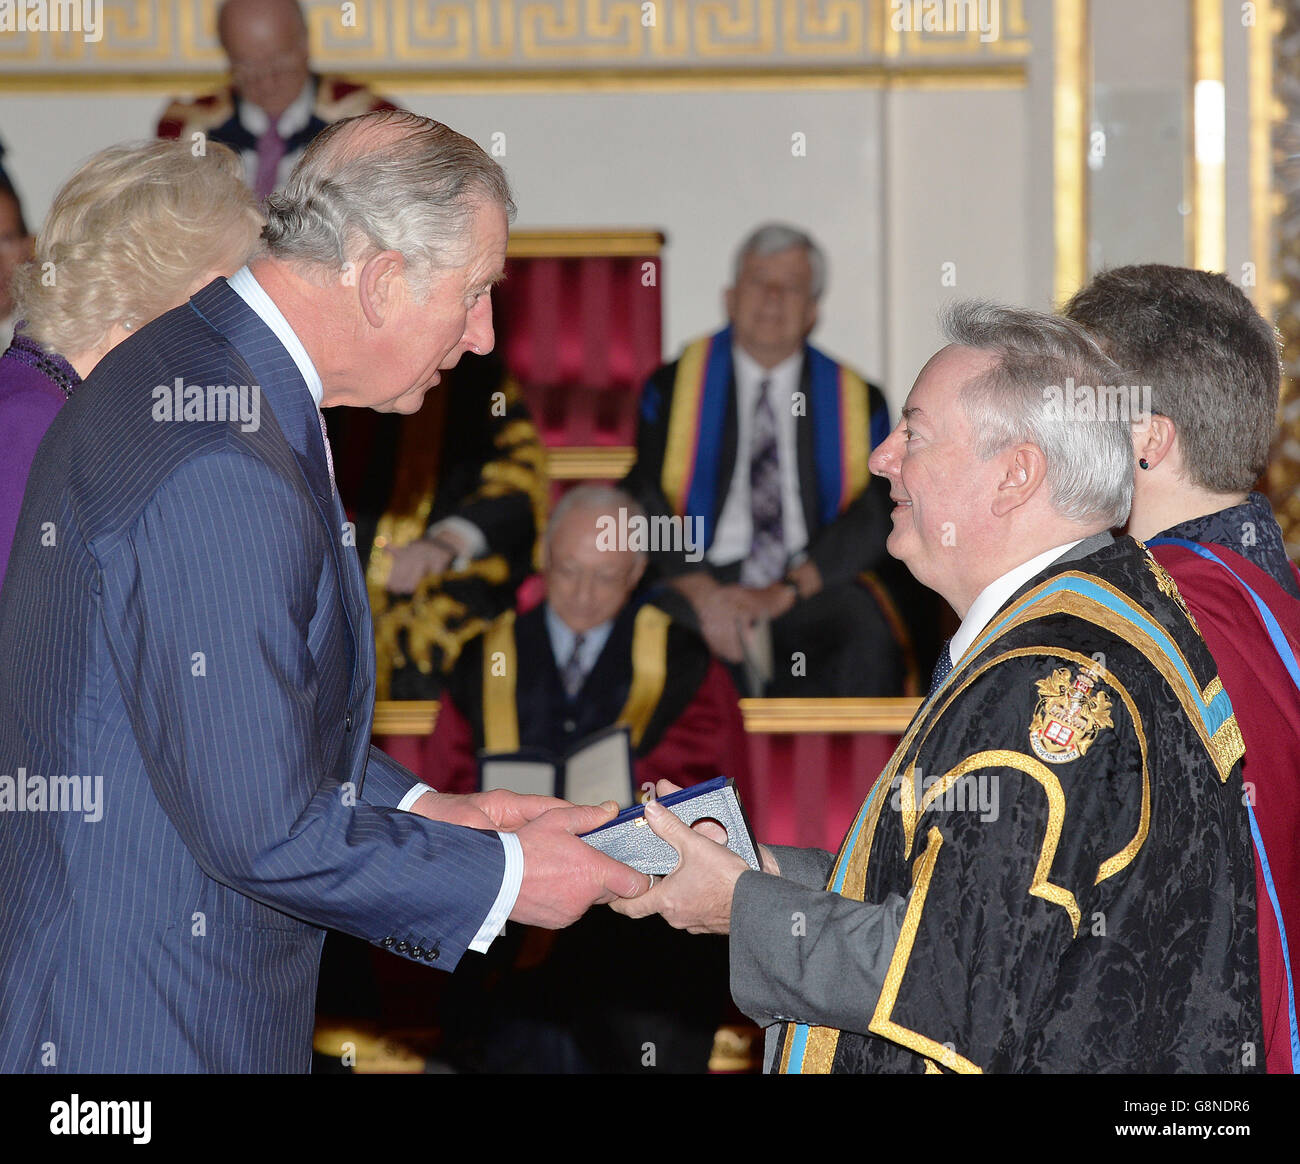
<point>1018,399</point>
<point>774,237</point>
<point>414,191</point>
<point>607,499</point>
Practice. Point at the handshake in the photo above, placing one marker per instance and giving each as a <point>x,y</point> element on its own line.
<point>564,876</point>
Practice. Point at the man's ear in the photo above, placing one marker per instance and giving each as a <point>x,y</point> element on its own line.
<point>729,302</point>
<point>1024,471</point>
<point>1153,439</point>
<point>377,285</point>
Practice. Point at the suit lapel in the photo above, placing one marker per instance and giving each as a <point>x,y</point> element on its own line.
<point>282,387</point>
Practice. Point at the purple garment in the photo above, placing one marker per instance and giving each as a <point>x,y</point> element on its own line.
<point>34,385</point>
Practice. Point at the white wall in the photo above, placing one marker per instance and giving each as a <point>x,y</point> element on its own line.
<point>703,167</point>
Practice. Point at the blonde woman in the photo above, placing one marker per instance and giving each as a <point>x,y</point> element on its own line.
<point>134,232</point>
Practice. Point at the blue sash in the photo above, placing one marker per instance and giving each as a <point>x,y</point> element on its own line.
<point>1283,649</point>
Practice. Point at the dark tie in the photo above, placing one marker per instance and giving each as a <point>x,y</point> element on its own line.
<point>270,149</point>
<point>942,669</point>
<point>766,560</point>
<point>572,675</point>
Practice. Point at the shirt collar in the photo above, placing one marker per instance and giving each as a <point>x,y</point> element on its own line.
<point>243,284</point>
<point>562,638</point>
<point>992,597</point>
<point>750,371</point>
<point>289,122</point>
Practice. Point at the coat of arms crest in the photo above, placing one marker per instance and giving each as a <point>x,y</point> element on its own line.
<point>1072,710</point>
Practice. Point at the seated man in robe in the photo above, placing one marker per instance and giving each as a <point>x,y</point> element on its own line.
<point>275,105</point>
<point>608,995</point>
<point>760,442</point>
<point>590,656</point>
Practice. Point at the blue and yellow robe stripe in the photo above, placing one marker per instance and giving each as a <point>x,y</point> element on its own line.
<point>847,427</point>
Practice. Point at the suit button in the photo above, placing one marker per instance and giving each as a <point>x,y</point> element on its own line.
<point>402,947</point>
<point>570,726</point>
<point>432,955</point>
<point>387,943</point>
<point>417,951</point>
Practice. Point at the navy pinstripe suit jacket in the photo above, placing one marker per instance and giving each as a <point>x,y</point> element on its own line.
<point>184,624</point>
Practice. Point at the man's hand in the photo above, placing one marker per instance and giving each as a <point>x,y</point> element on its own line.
<point>564,876</point>
<point>723,613</point>
<point>504,811</point>
<point>414,562</point>
<point>776,599</point>
<point>696,896</point>
<point>715,832</point>
<point>808,578</point>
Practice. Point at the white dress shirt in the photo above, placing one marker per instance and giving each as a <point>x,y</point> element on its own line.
<point>251,292</point>
<point>735,533</point>
<point>996,593</point>
<point>254,119</point>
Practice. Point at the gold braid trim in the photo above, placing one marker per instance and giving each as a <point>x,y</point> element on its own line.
<point>431,619</point>
<point>881,1022</point>
<point>500,715</point>
<point>649,670</point>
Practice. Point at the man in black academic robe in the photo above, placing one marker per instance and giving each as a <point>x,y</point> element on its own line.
<point>1054,871</point>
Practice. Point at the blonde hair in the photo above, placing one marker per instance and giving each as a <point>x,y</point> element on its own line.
<point>127,235</point>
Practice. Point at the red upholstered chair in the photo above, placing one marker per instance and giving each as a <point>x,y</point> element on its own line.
<point>579,324</point>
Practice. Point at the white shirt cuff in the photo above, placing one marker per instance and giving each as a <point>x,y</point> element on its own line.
<point>464,531</point>
<point>510,882</point>
<point>411,797</point>
<point>495,921</point>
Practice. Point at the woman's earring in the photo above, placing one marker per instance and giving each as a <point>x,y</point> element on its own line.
<point>1143,463</point>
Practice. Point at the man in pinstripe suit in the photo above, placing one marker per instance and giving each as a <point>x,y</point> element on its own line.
<point>184,625</point>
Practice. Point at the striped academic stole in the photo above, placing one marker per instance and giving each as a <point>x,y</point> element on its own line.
<point>844,434</point>
<point>810,1050</point>
<point>500,666</point>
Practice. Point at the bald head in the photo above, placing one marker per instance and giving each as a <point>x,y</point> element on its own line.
<point>588,579</point>
<point>266,44</point>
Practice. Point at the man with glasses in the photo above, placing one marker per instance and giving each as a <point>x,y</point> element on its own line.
<point>761,442</point>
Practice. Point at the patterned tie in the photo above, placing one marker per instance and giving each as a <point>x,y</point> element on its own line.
<point>270,149</point>
<point>329,455</point>
<point>767,557</point>
<point>572,675</point>
<point>942,669</point>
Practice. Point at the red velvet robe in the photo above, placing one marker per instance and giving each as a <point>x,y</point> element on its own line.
<point>1267,706</point>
